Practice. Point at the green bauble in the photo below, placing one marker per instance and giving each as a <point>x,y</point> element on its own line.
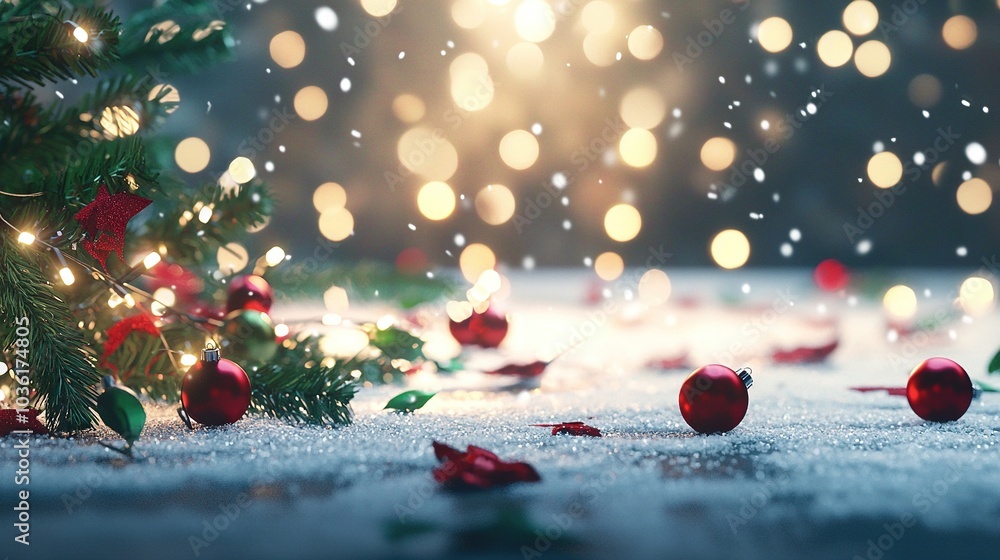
<point>248,336</point>
<point>121,410</point>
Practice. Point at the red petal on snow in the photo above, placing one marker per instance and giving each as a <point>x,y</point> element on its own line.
<point>534,369</point>
<point>572,429</point>
<point>805,354</point>
<point>894,391</point>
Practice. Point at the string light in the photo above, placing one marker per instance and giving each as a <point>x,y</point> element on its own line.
<point>79,33</point>
<point>26,238</point>
<point>274,256</point>
<point>67,276</point>
<point>187,360</point>
<point>151,260</point>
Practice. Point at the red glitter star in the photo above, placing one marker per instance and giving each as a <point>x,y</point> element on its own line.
<point>104,221</point>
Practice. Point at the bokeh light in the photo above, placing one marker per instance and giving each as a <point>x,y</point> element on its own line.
<point>885,170</point>
<point>924,91</point>
<point>974,196</point>
<point>232,258</point>
<point>637,147</point>
<point>471,85</point>
<point>534,20</point>
<point>718,153</point>
<point>192,154</point>
<point>525,60</point>
<point>436,200</point>
<point>427,153</point>
<point>872,58</point>
<point>336,224</point>
<point>495,204</point>
<point>519,149</point>
<point>835,48</point>
<point>609,266</point>
<point>959,32</point>
<point>378,8</point>
<point>335,299</point>
<point>602,49</point>
<point>622,222</point>
<point>598,17</point>
<point>329,196</point>
<point>408,108</point>
<point>172,96</point>
<point>900,302</point>
<point>468,14</point>
<point>475,259</point>
<point>119,122</point>
<point>654,287</point>
<point>643,107</point>
<point>288,49</point>
<point>860,17</point>
<point>242,170</point>
<point>645,42</point>
<point>310,103</point>
<point>730,249</point>
<point>976,295</point>
<point>774,34</point>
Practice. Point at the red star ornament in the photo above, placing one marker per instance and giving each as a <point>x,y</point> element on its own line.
<point>104,221</point>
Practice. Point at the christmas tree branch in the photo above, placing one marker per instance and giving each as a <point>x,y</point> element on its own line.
<point>62,367</point>
<point>298,384</point>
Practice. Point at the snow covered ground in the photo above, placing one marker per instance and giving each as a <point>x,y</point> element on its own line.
<point>814,470</point>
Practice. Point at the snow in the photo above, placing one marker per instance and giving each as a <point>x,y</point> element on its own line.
<point>813,471</point>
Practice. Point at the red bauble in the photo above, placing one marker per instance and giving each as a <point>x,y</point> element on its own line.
<point>249,292</point>
<point>939,390</point>
<point>831,275</point>
<point>486,329</point>
<point>714,398</point>
<point>215,391</point>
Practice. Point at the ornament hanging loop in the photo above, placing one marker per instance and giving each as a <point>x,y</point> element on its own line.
<point>211,352</point>
<point>744,374</point>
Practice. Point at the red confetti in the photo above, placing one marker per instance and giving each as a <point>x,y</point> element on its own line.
<point>534,369</point>
<point>572,429</point>
<point>894,391</point>
<point>679,361</point>
<point>12,420</point>
<point>104,221</point>
<point>805,354</point>
<point>478,468</point>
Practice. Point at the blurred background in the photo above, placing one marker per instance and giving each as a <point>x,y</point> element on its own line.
<point>556,133</point>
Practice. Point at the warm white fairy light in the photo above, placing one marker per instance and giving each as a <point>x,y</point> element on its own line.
<point>281,330</point>
<point>384,322</point>
<point>151,260</point>
<point>79,33</point>
<point>115,300</point>
<point>188,360</point>
<point>26,238</point>
<point>205,214</point>
<point>66,275</point>
<point>274,256</point>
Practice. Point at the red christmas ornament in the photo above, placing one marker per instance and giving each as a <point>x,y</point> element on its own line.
<point>486,329</point>
<point>104,221</point>
<point>714,398</point>
<point>214,391</point>
<point>831,275</point>
<point>250,292</point>
<point>939,390</point>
